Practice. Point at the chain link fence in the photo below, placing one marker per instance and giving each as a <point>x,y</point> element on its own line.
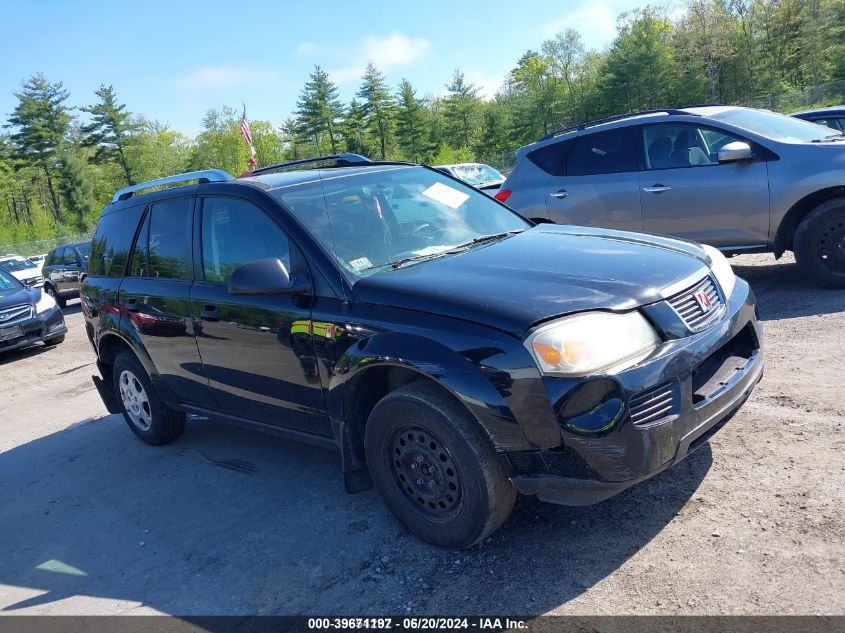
<point>39,247</point>
<point>796,99</point>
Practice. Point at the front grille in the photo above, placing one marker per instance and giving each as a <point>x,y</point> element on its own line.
<point>33,281</point>
<point>653,405</point>
<point>699,305</point>
<point>9,316</point>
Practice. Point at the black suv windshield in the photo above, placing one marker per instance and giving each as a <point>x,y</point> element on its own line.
<point>84,249</point>
<point>392,215</point>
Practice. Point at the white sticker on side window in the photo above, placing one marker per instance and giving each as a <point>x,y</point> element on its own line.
<point>361,263</point>
<point>445,194</point>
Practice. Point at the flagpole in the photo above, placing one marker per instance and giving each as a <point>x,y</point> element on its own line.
<point>247,136</point>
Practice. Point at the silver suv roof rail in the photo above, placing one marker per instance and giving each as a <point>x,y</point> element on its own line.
<point>205,175</point>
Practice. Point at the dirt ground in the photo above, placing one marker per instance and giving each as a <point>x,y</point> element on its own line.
<point>94,522</point>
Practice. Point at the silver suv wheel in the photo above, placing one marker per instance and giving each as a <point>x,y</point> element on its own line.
<point>135,400</point>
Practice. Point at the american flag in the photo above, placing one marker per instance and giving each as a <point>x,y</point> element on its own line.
<point>245,130</point>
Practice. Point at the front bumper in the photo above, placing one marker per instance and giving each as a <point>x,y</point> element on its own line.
<point>710,380</point>
<point>42,327</point>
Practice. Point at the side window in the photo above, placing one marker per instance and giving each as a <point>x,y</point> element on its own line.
<point>138,259</point>
<point>550,157</point>
<point>608,152</point>
<point>235,232</point>
<point>680,145</point>
<point>112,241</point>
<point>51,258</point>
<point>169,250</point>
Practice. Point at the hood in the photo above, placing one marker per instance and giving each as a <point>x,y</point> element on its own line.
<point>539,274</point>
<point>26,273</point>
<point>19,297</point>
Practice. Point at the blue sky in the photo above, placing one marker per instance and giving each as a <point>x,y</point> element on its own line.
<point>170,61</point>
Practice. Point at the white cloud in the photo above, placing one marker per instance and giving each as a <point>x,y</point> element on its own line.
<point>596,22</point>
<point>387,53</point>
<point>488,85</point>
<point>221,77</point>
<point>306,48</point>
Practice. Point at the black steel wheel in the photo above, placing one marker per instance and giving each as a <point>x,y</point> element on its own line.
<point>819,243</point>
<point>434,469</point>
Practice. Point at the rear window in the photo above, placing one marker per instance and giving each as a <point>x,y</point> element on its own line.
<point>112,241</point>
<point>608,152</point>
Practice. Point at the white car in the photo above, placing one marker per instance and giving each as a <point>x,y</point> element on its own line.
<point>22,269</point>
<point>481,176</point>
<point>38,260</point>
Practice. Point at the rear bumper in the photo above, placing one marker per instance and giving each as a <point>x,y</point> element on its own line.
<point>710,376</point>
<point>40,328</point>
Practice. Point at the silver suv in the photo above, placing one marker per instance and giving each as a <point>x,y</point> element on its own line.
<point>739,179</point>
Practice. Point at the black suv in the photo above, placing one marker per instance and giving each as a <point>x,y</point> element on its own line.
<point>451,351</point>
<point>63,269</point>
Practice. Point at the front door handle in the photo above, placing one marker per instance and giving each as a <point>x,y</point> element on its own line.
<point>559,195</point>
<point>210,313</point>
<point>656,189</point>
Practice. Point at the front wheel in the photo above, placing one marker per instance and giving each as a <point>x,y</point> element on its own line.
<point>434,470</point>
<point>143,409</point>
<point>819,243</point>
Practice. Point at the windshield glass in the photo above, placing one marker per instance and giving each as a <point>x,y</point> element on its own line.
<point>14,265</point>
<point>8,284</point>
<point>777,127</point>
<point>84,249</point>
<point>476,174</point>
<point>380,217</point>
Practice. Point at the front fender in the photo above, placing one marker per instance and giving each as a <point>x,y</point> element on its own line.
<point>474,384</point>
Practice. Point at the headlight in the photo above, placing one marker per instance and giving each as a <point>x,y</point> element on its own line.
<point>722,270</point>
<point>44,303</point>
<point>592,342</point>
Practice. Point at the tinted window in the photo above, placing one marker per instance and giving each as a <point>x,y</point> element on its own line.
<point>235,232</point>
<point>138,261</point>
<point>602,153</point>
<point>52,257</point>
<point>169,254</point>
<point>112,241</point>
<point>679,145</point>
<point>549,158</point>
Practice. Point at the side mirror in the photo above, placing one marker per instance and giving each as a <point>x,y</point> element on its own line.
<point>266,276</point>
<point>733,152</point>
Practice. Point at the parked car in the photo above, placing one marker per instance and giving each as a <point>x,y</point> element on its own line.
<point>739,179</point>
<point>38,260</point>
<point>27,316</point>
<point>22,269</point>
<point>481,176</point>
<point>63,270</point>
<point>832,117</point>
<point>450,350</point>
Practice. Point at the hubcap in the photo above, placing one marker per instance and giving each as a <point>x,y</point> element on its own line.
<point>425,471</point>
<point>135,400</point>
<point>831,245</point>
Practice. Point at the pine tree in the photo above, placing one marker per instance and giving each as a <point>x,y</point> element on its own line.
<point>319,110</point>
<point>410,122</point>
<point>377,106</point>
<point>460,110</point>
<point>110,131</point>
<point>42,121</point>
<point>354,126</point>
<point>76,187</point>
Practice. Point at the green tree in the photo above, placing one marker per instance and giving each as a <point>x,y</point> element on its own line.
<point>41,120</point>
<point>76,187</point>
<point>460,110</point>
<point>111,131</point>
<point>354,128</point>
<point>377,107</point>
<point>319,110</point>
<point>410,123</point>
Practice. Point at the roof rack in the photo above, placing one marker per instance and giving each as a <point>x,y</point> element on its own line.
<point>615,117</point>
<point>336,160</point>
<point>206,175</point>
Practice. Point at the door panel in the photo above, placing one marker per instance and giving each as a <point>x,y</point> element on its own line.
<point>599,187</point>
<point>257,351</point>
<point>687,193</point>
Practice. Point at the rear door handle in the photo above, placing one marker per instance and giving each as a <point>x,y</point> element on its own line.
<point>656,189</point>
<point>210,313</point>
<point>559,195</point>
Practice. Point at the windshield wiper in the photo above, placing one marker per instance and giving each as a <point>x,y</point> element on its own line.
<point>830,139</point>
<point>484,238</point>
<point>451,251</point>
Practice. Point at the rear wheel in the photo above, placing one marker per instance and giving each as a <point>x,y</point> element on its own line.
<point>819,243</point>
<point>434,470</point>
<point>58,299</point>
<point>144,411</point>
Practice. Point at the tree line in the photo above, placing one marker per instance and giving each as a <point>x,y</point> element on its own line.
<point>60,164</point>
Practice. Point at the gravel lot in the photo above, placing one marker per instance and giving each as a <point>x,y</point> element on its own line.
<point>94,522</point>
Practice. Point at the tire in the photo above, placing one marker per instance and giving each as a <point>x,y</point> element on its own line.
<point>819,244</point>
<point>60,301</point>
<point>144,411</point>
<point>418,427</point>
<point>55,340</point>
